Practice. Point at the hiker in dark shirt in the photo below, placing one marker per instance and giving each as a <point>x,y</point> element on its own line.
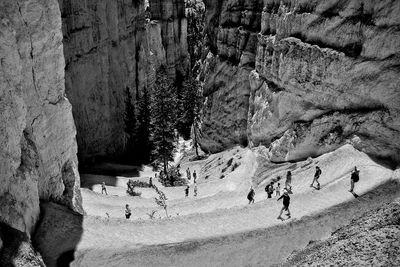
<point>354,178</point>
<point>188,175</point>
<point>270,189</point>
<point>128,211</point>
<point>187,191</point>
<point>103,188</point>
<point>286,202</point>
<point>250,195</point>
<point>194,176</point>
<point>316,177</point>
<point>288,182</point>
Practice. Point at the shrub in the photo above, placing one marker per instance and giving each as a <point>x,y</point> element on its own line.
<point>174,178</point>
<point>131,189</point>
<point>137,183</point>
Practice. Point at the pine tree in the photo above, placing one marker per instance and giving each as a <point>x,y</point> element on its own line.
<point>189,104</point>
<point>143,131</point>
<point>131,125</point>
<point>163,118</point>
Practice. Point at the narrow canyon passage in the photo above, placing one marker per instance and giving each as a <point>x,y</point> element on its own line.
<point>99,95</point>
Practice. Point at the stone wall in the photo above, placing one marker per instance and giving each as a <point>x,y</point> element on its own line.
<point>37,134</point>
<point>323,73</point>
<point>111,47</point>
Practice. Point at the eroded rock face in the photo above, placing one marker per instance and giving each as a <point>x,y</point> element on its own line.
<point>170,15</point>
<point>232,29</point>
<point>37,133</point>
<point>109,48</point>
<point>326,73</point>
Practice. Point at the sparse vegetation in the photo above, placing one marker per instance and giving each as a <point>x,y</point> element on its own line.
<point>173,178</point>
<point>137,183</point>
<point>152,214</point>
<point>161,200</point>
<point>131,189</point>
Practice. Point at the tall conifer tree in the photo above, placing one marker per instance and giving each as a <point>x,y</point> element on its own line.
<point>163,106</point>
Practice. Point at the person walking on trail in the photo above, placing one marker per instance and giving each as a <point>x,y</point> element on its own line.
<point>128,211</point>
<point>250,195</point>
<point>151,182</point>
<point>103,188</point>
<point>188,173</point>
<point>316,177</point>
<point>270,189</point>
<point>278,190</point>
<point>286,202</point>
<point>194,176</point>
<point>288,182</point>
<point>187,191</point>
<point>195,190</point>
<point>354,178</point>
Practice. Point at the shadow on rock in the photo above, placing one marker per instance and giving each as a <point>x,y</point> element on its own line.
<point>16,249</point>
<point>58,234</point>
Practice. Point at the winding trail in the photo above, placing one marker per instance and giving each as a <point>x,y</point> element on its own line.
<point>220,229</point>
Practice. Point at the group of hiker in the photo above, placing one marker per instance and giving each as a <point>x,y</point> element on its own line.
<point>288,188</point>
<point>189,177</point>
<point>269,189</point>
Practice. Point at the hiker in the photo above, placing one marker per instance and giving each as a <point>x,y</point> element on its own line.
<point>187,191</point>
<point>278,190</point>
<point>250,195</point>
<point>128,212</point>
<point>151,182</point>
<point>286,202</point>
<point>270,189</point>
<point>194,176</point>
<point>195,190</point>
<point>354,178</point>
<point>103,188</point>
<point>316,177</point>
<point>288,183</point>
<point>188,173</point>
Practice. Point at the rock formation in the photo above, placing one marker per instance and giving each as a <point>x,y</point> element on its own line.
<point>321,73</point>
<point>109,47</point>
<point>371,240</point>
<point>37,134</point>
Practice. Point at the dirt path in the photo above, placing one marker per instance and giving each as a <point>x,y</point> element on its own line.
<point>223,229</point>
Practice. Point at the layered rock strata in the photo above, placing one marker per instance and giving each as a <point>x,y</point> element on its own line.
<point>111,47</point>
<point>326,73</point>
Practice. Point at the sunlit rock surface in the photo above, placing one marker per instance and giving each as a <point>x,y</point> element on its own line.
<point>324,73</point>
<point>38,148</point>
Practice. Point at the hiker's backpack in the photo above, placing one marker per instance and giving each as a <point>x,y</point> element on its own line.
<point>355,177</point>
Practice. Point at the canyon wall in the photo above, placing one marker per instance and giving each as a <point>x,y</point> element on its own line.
<point>110,47</point>
<point>37,134</point>
<point>320,74</point>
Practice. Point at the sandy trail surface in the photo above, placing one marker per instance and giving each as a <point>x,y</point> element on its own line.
<point>219,228</point>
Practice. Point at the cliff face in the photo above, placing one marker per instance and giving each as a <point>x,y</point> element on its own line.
<point>37,134</point>
<point>325,73</point>
<point>170,15</point>
<point>110,48</point>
